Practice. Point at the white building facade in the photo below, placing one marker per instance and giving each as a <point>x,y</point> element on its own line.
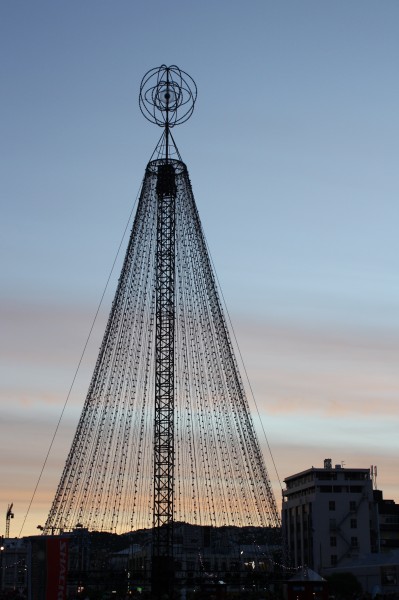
<point>328,516</point>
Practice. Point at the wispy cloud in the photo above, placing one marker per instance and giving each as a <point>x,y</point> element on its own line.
<point>321,392</point>
<point>51,333</point>
<point>321,371</point>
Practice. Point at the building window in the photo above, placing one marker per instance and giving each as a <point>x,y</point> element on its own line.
<point>331,505</point>
<point>388,575</point>
<point>333,560</point>
<point>354,543</point>
<point>352,505</point>
<point>333,524</point>
<point>333,540</point>
<point>353,523</point>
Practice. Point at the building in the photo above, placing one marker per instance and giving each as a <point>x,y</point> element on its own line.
<point>13,565</point>
<point>328,516</point>
<point>305,585</point>
<point>388,522</point>
<point>377,573</point>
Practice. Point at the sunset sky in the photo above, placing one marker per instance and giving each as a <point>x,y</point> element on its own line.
<point>293,154</point>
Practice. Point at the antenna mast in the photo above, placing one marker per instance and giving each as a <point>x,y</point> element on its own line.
<point>167,100</point>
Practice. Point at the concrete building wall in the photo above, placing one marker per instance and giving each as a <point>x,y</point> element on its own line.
<point>328,515</point>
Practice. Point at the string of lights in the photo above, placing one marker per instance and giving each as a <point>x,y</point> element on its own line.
<point>222,478</point>
<point>166,435</point>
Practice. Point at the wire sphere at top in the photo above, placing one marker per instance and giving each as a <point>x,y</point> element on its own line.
<point>167,96</point>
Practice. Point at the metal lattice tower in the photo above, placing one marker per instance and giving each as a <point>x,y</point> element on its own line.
<point>165,434</point>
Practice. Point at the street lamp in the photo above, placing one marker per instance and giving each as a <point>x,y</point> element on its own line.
<point>2,548</point>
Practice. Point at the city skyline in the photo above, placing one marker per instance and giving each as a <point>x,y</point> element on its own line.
<point>292,152</point>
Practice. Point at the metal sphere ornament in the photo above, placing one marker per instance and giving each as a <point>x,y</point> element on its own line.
<point>167,96</point>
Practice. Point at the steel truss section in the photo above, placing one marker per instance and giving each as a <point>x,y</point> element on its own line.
<point>164,451</point>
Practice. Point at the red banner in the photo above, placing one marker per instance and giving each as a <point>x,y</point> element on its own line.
<point>57,568</point>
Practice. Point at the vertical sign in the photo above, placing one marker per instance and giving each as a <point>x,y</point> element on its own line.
<point>48,568</point>
<point>57,568</point>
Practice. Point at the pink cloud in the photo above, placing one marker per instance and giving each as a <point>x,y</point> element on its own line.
<point>295,372</point>
<point>50,334</point>
<point>300,370</point>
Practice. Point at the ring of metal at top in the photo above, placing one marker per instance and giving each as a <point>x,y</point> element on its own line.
<point>167,96</point>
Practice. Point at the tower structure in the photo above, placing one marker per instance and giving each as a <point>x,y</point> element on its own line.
<point>165,434</point>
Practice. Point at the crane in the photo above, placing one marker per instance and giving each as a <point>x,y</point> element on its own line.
<point>9,516</point>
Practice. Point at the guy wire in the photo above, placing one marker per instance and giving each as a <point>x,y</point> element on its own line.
<point>79,362</point>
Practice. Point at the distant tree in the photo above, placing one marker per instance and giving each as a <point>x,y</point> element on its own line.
<point>343,585</point>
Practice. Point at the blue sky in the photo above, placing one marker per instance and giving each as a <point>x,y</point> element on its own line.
<point>293,155</point>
